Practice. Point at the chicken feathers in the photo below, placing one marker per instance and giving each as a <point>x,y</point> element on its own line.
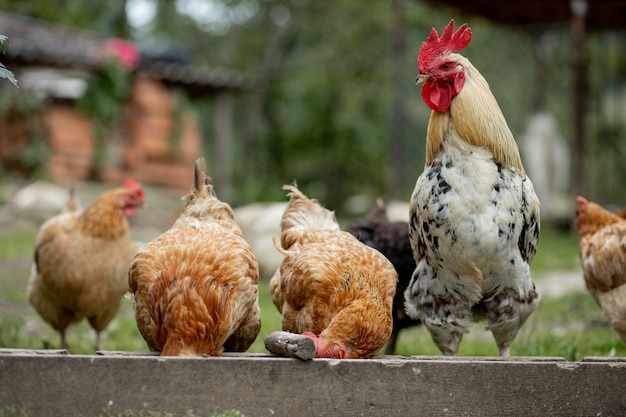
<point>602,251</point>
<point>392,240</point>
<point>195,287</point>
<point>81,261</point>
<point>474,215</point>
<point>331,287</point>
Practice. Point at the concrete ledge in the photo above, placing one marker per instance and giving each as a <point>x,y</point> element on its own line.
<point>57,384</point>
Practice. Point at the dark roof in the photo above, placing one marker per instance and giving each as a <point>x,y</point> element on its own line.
<point>600,15</point>
<point>34,42</point>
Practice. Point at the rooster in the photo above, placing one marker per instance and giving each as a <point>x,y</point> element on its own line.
<point>392,240</point>
<point>602,250</point>
<point>195,287</point>
<point>474,215</point>
<point>332,290</point>
<point>81,259</point>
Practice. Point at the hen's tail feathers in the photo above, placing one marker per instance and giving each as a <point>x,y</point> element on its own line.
<point>73,203</point>
<point>280,249</point>
<point>303,213</point>
<point>201,181</point>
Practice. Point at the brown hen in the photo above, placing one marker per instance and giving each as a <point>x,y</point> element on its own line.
<point>392,240</point>
<point>195,287</point>
<point>602,250</point>
<point>330,287</point>
<point>81,261</point>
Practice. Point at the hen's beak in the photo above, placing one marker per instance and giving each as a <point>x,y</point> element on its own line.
<point>420,78</point>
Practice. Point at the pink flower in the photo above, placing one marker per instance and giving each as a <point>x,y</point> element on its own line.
<point>124,51</point>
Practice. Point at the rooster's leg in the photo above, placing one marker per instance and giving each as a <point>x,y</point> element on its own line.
<point>504,333</point>
<point>507,312</point>
<point>446,339</point>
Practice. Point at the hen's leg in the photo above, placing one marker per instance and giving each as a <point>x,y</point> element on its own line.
<point>98,341</point>
<point>63,339</point>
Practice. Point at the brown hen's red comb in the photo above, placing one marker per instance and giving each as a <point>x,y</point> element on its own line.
<point>133,185</point>
<point>436,46</point>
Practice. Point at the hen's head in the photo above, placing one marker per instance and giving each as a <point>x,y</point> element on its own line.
<point>132,198</point>
<point>439,67</point>
<point>591,217</point>
<point>326,349</point>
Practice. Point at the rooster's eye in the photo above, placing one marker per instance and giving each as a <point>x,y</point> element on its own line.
<point>446,66</point>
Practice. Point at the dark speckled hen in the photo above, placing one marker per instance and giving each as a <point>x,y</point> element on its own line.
<point>474,215</point>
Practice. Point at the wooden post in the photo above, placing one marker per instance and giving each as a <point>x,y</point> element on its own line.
<point>399,85</point>
<point>220,171</point>
<point>37,384</point>
<point>579,41</point>
<point>541,52</point>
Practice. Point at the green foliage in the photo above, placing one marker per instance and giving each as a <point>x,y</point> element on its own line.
<point>3,41</point>
<point>557,250</point>
<point>104,101</point>
<point>11,411</point>
<point>145,412</point>
<point>571,326</point>
<point>10,332</point>
<point>23,113</point>
<point>16,243</point>
<point>4,72</point>
<point>321,112</point>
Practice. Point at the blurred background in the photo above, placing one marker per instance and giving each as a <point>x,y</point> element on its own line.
<point>320,92</point>
<point>272,91</point>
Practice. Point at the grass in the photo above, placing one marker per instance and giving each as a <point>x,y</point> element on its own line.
<point>143,412</point>
<point>571,326</point>
<point>556,250</point>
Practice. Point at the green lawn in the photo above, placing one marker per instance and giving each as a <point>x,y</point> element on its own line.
<point>571,326</point>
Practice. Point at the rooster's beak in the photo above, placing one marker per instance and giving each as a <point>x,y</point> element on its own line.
<point>420,78</point>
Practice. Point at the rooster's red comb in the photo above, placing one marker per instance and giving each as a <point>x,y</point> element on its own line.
<point>133,185</point>
<point>436,46</point>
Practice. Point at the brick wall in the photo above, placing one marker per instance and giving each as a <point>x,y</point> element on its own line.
<point>153,153</point>
<point>71,144</point>
<point>143,146</point>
